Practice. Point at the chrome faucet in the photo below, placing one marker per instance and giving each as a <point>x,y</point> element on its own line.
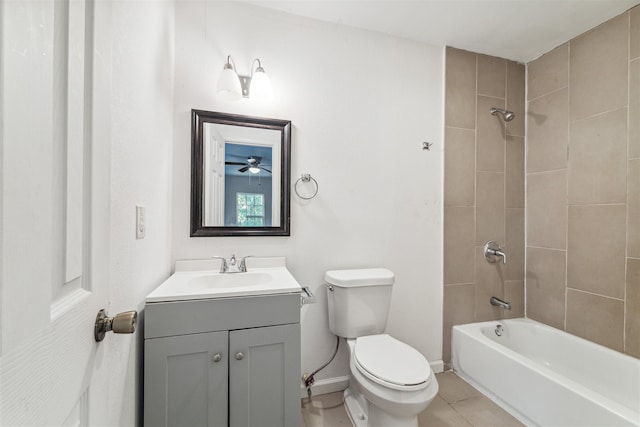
<point>492,250</point>
<point>223,266</point>
<point>243,263</point>
<point>499,303</point>
<point>232,266</point>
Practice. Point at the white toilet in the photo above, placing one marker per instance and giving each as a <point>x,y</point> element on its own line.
<point>391,382</point>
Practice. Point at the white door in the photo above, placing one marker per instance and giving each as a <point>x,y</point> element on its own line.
<point>54,152</point>
<point>214,173</point>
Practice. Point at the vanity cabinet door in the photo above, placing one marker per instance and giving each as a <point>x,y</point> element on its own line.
<point>185,380</point>
<point>264,377</point>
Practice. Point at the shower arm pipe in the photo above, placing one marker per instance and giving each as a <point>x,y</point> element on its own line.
<point>506,114</point>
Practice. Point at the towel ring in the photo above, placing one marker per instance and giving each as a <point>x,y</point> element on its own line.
<point>306,178</point>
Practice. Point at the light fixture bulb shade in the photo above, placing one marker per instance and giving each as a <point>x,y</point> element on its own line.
<point>260,89</point>
<point>254,169</point>
<point>229,85</point>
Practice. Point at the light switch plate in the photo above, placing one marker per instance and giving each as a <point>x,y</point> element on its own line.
<point>140,225</point>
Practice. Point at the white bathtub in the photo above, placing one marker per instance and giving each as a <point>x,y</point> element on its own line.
<point>547,377</point>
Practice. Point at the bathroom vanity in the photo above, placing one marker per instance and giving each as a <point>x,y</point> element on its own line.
<point>223,349</point>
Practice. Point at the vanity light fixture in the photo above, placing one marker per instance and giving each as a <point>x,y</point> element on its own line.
<point>232,86</point>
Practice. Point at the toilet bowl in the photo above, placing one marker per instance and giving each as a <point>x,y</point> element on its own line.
<point>391,383</point>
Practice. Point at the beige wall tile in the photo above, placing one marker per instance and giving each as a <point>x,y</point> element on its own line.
<point>546,210</point>
<point>634,109</point>
<point>548,132</point>
<point>514,186</point>
<point>632,308</point>
<point>548,73</point>
<point>492,76</point>
<point>490,136</point>
<point>515,97</point>
<point>514,243</point>
<point>460,87</point>
<point>596,318</point>
<point>459,307</point>
<point>458,244</point>
<point>596,249</point>
<point>546,276</point>
<point>489,282</point>
<point>634,33</point>
<point>598,159</point>
<point>633,219</point>
<point>490,213</point>
<point>458,304</point>
<point>446,345</point>
<point>459,167</point>
<point>598,69</point>
<point>514,294</point>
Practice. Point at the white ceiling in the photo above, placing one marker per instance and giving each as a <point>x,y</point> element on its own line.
<point>520,30</point>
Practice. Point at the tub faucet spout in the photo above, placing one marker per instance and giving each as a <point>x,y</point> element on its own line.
<point>499,303</point>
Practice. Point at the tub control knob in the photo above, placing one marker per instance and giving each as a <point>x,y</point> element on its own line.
<point>239,355</point>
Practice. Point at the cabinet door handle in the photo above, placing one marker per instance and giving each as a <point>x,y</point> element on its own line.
<point>217,357</point>
<point>239,355</point>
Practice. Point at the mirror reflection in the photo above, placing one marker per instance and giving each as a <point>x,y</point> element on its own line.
<point>243,163</point>
<point>239,188</point>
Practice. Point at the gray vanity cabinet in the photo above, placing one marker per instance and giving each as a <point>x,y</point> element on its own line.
<point>223,362</point>
<point>264,377</point>
<point>185,382</point>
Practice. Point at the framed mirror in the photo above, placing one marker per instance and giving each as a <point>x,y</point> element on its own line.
<point>240,175</point>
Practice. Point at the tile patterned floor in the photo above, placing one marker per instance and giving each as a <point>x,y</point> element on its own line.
<point>456,405</point>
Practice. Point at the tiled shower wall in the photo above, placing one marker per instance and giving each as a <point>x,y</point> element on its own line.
<point>583,185</point>
<point>484,188</point>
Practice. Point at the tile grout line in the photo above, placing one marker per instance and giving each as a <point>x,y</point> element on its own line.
<point>475,188</point>
<point>566,212</point>
<point>626,243</point>
<point>552,92</point>
<point>504,178</point>
<point>525,145</point>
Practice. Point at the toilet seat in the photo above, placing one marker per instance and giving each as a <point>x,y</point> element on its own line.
<point>391,363</point>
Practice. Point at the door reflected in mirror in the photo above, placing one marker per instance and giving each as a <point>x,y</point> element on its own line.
<point>240,175</point>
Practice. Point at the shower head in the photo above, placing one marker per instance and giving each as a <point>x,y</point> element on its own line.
<point>506,115</point>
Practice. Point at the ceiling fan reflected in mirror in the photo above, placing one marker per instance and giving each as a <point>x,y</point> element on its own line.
<point>252,165</point>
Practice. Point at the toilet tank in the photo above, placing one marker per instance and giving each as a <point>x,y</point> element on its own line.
<point>358,301</point>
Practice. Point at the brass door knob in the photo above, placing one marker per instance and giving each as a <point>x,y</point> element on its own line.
<point>121,323</point>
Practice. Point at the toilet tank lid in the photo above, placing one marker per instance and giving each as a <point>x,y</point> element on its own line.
<point>359,277</point>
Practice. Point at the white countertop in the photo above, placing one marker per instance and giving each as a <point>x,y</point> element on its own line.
<point>201,279</point>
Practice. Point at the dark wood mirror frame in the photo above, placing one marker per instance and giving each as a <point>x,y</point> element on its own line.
<point>198,119</point>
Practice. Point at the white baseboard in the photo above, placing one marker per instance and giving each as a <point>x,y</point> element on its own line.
<point>328,385</point>
<point>437,366</point>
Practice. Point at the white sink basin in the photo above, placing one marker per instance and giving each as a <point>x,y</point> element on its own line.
<point>269,276</point>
